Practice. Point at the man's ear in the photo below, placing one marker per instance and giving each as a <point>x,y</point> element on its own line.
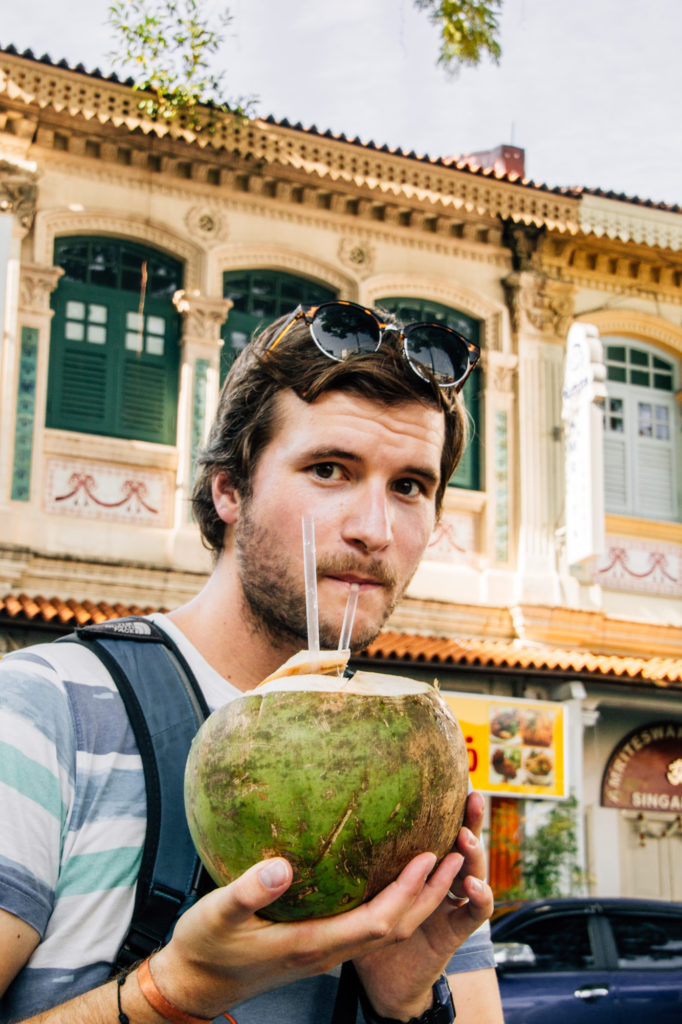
<point>225,497</point>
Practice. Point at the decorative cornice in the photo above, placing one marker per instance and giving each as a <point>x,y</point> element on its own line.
<point>317,159</point>
<point>630,223</point>
<point>538,304</point>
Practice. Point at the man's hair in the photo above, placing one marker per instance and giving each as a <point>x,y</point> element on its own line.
<point>247,416</point>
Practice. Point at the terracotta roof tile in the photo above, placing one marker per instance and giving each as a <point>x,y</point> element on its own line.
<point>409,648</point>
<point>515,654</point>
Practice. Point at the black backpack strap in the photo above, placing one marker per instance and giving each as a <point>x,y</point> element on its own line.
<point>165,707</point>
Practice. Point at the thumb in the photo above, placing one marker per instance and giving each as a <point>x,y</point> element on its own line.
<point>259,886</point>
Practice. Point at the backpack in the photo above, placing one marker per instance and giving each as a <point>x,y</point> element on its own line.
<point>165,707</point>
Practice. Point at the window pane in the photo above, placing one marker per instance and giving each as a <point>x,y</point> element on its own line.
<point>663,381</point>
<point>75,310</point>
<point>156,325</point>
<point>559,944</point>
<point>647,942</point>
<point>74,331</point>
<point>97,335</point>
<point>640,377</point>
<point>644,426</point>
<point>238,340</point>
<point>615,372</point>
<point>97,314</point>
<point>154,345</point>
<point>133,321</point>
<point>133,342</point>
<point>662,364</point>
<point>616,353</point>
<point>638,358</point>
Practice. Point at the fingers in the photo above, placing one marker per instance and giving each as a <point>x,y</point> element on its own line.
<point>259,886</point>
<point>474,812</point>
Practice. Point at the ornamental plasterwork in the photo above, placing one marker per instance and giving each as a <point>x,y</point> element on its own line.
<point>639,565</point>
<point>630,222</point>
<point>636,324</point>
<point>246,257</point>
<point>539,304</point>
<point>204,316</point>
<point>502,369</point>
<point>357,254</point>
<point>122,494</point>
<point>338,160</point>
<point>50,223</point>
<point>36,283</point>
<point>18,192</point>
<point>207,224</point>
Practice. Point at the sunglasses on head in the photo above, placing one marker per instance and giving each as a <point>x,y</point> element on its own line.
<point>343,329</point>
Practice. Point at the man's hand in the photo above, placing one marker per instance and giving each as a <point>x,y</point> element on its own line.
<point>222,953</point>
<point>398,979</point>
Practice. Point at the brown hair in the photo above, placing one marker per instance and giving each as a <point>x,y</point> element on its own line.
<point>246,418</point>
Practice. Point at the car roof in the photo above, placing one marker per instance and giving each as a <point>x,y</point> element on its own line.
<point>507,910</point>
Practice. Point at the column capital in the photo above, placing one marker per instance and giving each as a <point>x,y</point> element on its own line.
<point>36,283</point>
<point>203,315</point>
<point>540,306</point>
<point>18,192</point>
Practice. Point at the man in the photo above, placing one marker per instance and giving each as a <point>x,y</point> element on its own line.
<point>314,419</point>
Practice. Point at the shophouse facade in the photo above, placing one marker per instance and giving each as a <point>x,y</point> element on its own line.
<point>135,261</point>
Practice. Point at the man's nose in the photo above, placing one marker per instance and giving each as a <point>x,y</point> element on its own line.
<point>368,523</point>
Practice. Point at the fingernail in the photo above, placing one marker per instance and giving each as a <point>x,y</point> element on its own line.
<point>274,875</point>
<point>476,885</point>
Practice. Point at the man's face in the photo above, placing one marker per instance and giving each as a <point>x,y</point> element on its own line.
<point>368,475</point>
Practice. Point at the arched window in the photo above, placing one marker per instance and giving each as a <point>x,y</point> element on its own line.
<point>114,352</point>
<point>414,310</point>
<point>641,431</point>
<point>259,297</point>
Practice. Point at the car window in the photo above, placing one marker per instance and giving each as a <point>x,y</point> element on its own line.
<point>646,942</point>
<point>559,943</point>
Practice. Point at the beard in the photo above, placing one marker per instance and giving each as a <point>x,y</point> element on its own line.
<point>273,589</point>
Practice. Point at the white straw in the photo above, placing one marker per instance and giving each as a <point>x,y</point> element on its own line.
<point>310,574</point>
<point>349,616</point>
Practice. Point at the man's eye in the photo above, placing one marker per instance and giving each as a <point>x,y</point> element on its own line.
<point>408,488</point>
<point>326,470</point>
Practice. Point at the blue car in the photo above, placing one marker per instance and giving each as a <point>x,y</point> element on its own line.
<point>577,961</point>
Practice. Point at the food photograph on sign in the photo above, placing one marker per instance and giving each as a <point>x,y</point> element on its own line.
<point>515,746</point>
<point>521,741</point>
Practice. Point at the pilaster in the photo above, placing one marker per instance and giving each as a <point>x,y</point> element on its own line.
<point>541,310</point>
<point>201,342</point>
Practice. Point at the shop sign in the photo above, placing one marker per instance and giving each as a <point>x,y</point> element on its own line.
<point>644,772</point>
<point>516,747</point>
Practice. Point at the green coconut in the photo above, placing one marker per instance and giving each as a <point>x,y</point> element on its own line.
<point>347,779</point>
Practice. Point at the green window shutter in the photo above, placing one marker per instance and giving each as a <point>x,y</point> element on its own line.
<point>259,297</point>
<point>113,369</point>
<point>410,310</point>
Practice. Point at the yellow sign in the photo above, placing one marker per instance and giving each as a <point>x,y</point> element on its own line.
<point>516,747</point>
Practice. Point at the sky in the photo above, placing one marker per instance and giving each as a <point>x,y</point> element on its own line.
<point>590,89</point>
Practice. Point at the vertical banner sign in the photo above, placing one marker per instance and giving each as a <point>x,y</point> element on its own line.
<point>584,392</point>
<point>516,747</point>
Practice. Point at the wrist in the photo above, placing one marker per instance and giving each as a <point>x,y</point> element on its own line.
<point>440,1011</point>
<point>156,1000</point>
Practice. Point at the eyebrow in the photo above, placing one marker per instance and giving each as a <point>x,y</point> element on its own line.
<point>329,454</point>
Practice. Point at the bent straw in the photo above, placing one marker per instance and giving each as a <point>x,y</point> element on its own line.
<point>349,616</point>
<point>310,575</point>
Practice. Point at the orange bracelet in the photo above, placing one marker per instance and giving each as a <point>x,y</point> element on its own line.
<point>158,1001</point>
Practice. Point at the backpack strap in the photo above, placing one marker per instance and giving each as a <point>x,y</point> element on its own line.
<point>165,707</point>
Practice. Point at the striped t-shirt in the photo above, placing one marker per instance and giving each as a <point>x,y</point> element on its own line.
<point>72,827</point>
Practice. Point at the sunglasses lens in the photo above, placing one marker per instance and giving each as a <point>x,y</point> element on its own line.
<point>441,353</point>
<point>342,331</point>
